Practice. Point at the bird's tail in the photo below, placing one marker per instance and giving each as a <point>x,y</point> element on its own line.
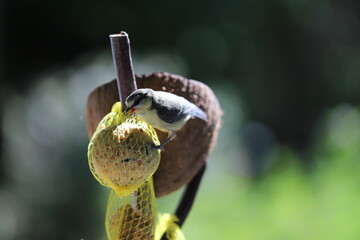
<point>197,112</point>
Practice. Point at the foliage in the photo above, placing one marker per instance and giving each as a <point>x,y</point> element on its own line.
<point>289,202</point>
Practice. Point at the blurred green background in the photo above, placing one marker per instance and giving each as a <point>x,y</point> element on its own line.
<point>287,74</point>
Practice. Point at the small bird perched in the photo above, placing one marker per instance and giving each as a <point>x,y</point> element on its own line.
<point>162,110</point>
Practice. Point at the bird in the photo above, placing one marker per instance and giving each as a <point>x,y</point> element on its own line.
<point>162,110</point>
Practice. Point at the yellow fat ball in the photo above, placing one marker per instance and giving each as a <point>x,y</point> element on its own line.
<point>121,152</point>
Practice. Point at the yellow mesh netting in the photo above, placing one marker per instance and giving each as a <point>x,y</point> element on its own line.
<point>122,157</point>
<point>167,225</point>
<point>121,153</point>
<point>132,217</point>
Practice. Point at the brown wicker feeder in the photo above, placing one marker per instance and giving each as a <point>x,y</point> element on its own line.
<point>183,157</point>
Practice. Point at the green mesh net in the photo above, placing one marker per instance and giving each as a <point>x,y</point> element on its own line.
<point>122,156</point>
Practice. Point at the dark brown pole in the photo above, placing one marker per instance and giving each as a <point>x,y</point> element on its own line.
<point>189,195</point>
<point>121,52</point>
<point>188,198</point>
<point>120,46</point>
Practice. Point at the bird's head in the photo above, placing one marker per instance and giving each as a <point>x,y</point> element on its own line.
<point>139,100</point>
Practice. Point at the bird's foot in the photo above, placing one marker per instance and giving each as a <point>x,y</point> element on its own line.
<point>171,137</point>
<point>159,147</point>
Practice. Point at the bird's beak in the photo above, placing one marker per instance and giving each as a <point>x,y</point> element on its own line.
<point>130,111</point>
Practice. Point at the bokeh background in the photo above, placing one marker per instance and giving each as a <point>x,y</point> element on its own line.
<point>287,74</point>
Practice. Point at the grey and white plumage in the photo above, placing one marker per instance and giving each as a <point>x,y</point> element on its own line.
<point>162,110</point>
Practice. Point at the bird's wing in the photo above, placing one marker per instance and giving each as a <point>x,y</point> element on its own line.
<point>172,108</point>
<point>169,113</point>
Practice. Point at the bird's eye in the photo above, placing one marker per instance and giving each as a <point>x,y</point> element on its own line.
<point>137,101</point>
